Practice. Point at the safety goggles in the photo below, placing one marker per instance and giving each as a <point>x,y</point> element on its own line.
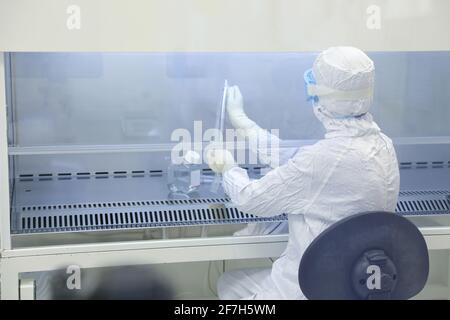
<point>309,83</point>
<point>314,91</point>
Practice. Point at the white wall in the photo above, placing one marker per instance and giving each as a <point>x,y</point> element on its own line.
<point>223,25</point>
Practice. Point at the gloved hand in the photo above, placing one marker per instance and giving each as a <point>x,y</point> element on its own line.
<point>220,160</point>
<point>235,109</point>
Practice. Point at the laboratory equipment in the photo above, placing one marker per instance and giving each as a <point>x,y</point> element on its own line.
<point>85,135</point>
<point>71,187</point>
<point>220,126</point>
<point>185,177</point>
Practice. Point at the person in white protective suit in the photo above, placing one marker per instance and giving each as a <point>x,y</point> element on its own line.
<point>352,170</point>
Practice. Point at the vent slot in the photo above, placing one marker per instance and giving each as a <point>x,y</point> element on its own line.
<point>156,173</point>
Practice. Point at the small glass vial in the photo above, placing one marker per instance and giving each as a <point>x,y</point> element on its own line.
<point>185,177</point>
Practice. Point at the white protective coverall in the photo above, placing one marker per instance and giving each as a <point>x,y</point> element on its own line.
<point>352,170</point>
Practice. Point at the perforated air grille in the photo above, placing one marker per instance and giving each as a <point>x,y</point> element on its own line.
<point>423,206</point>
<point>425,192</point>
<point>423,202</point>
<point>106,174</point>
<point>120,204</point>
<point>91,216</point>
<point>87,175</point>
<point>132,214</point>
<point>424,164</point>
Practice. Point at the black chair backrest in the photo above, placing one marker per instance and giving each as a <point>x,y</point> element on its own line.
<point>371,255</point>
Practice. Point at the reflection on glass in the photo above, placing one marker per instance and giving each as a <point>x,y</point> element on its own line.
<point>134,98</point>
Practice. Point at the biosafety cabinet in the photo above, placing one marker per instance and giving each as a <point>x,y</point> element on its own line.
<point>93,91</point>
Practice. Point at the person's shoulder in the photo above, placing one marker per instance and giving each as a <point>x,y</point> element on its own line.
<point>386,138</point>
<point>312,151</point>
<point>322,150</point>
<point>323,144</point>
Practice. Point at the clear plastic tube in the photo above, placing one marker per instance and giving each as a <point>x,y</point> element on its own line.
<point>220,123</point>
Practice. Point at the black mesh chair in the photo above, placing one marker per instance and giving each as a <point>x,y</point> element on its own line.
<point>371,255</point>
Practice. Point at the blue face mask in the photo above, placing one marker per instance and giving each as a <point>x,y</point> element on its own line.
<point>309,80</point>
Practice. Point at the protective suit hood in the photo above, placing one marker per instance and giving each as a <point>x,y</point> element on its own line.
<point>345,69</point>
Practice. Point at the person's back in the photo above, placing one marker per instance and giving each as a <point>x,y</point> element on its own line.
<point>364,177</point>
